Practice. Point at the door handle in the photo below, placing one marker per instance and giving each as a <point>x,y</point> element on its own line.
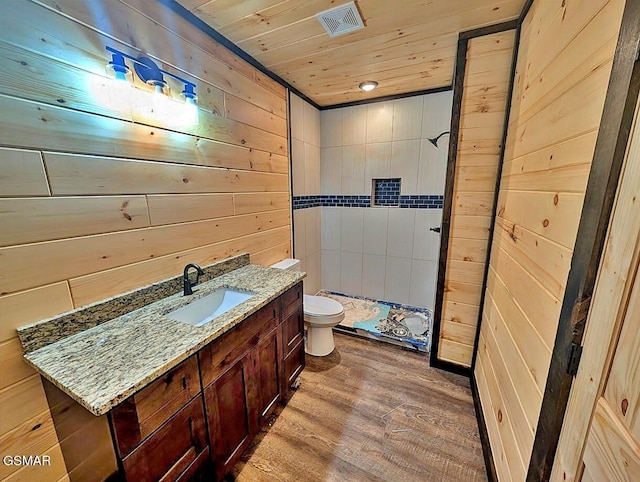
<point>435,230</point>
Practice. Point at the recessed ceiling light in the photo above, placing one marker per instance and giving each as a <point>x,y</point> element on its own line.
<point>368,86</point>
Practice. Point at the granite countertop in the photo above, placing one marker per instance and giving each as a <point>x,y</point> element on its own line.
<point>104,365</point>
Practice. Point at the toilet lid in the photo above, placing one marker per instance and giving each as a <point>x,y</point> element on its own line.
<point>321,306</point>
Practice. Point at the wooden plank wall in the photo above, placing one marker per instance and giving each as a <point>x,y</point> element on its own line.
<point>484,98</point>
<point>563,68</point>
<point>97,200</point>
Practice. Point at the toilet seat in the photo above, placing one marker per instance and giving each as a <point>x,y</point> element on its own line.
<point>321,309</point>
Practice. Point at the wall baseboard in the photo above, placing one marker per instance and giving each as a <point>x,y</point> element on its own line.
<point>484,435</point>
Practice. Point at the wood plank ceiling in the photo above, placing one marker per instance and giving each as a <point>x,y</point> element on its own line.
<point>406,45</point>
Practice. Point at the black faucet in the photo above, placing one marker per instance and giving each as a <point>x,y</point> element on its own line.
<point>188,284</point>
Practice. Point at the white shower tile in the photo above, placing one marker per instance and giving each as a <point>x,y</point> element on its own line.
<point>311,125</point>
<point>311,282</point>
<point>401,231</point>
<point>379,122</point>
<point>407,118</point>
<point>353,162</point>
<point>373,276</point>
<point>426,243</point>
<point>432,169</point>
<point>404,164</point>
<point>351,273</point>
<point>331,270</point>
<point>423,283</point>
<point>311,169</point>
<point>331,228</point>
<point>330,170</point>
<point>312,224</point>
<point>352,227</point>
<point>397,280</point>
<point>377,163</point>
<point>297,117</point>
<point>297,170</point>
<point>436,115</point>
<point>354,125</point>
<point>375,231</point>
<point>299,233</point>
<point>331,128</point>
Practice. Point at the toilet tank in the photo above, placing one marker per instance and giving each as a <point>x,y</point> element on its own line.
<point>289,263</point>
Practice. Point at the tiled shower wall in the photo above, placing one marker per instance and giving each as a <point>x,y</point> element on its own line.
<point>386,253</point>
<point>305,158</point>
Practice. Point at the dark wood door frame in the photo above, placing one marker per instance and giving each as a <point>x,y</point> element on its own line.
<point>458,88</point>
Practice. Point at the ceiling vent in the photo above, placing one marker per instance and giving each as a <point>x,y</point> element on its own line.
<point>342,19</point>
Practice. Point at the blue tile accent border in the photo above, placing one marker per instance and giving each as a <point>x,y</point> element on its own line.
<point>347,201</point>
<point>421,201</point>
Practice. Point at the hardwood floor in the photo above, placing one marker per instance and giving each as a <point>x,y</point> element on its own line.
<point>370,412</point>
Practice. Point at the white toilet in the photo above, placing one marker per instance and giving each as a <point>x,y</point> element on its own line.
<point>321,314</point>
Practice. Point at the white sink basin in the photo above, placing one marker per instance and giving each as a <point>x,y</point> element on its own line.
<point>207,308</point>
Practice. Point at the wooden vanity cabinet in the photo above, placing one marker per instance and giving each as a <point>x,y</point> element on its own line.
<point>293,360</point>
<point>241,373</point>
<point>160,431</point>
<point>176,451</point>
<point>193,422</point>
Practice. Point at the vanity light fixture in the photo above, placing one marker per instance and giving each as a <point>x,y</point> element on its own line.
<point>434,140</point>
<point>164,107</point>
<point>368,85</point>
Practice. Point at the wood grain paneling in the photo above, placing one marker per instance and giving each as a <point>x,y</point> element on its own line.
<point>95,286</point>
<point>73,257</point>
<point>405,49</point>
<point>12,365</point>
<point>562,72</point>
<point>22,173</point>
<point>610,303</point>
<point>106,198</point>
<point>23,400</point>
<point>481,125</point>
<point>43,126</point>
<point>29,220</point>
<point>243,111</point>
<point>180,208</point>
<point>32,437</point>
<point>71,174</point>
<point>455,352</point>
<point>255,202</point>
<point>55,471</point>
<point>32,305</point>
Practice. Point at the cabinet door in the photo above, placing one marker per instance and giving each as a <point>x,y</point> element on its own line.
<point>293,365</point>
<point>292,331</point>
<point>172,450</point>
<point>141,414</point>
<point>228,415</point>
<point>265,394</point>
<point>291,300</point>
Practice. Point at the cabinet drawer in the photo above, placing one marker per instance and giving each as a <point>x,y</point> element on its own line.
<point>292,331</point>
<point>172,449</point>
<point>293,365</point>
<point>291,300</point>
<point>223,352</point>
<point>138,416</point>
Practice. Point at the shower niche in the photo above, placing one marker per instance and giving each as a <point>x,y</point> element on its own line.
<point>385,192</point>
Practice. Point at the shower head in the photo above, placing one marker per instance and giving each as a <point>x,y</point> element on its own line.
<point>434,140</point>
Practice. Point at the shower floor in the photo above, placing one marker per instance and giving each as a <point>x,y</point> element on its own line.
<point>401,325</point>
